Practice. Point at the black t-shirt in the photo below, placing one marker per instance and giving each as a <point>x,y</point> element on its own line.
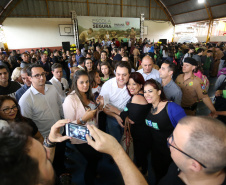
<point>11,89</point>
<point>172,178</point>
<point>136,112</point>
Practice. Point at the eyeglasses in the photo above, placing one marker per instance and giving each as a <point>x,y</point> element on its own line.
<point>8,110</point>
<point>38,76</point>
<point>169,144</point>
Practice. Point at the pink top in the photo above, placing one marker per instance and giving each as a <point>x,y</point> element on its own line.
<point>73,110</point>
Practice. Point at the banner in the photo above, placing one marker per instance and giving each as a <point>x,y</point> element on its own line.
<point>107,28</point>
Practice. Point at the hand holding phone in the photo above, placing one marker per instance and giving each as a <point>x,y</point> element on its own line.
<point>97,106</point>
<point>89,114</point>
<point>77,131</point>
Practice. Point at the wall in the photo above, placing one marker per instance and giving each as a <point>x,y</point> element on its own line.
<point>25,33</point>
<point>158,30</point>
<point>218,38</point>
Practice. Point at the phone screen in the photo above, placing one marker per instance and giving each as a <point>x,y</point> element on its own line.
<point>77,131</point>
<point>97,106</point>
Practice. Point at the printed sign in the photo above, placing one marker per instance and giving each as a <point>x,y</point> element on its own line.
<point>107,28</point>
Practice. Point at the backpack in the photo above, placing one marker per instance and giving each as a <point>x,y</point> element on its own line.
<point>206,82</point>
<point>221,72</point>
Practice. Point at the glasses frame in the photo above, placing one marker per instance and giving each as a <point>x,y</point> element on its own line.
<point>169,144</point>
<point>10,109</point>
<point>38,76</point>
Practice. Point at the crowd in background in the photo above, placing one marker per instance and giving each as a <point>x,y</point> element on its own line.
<point>149,85</point>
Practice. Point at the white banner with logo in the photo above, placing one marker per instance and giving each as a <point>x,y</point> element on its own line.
<point>107,28</point>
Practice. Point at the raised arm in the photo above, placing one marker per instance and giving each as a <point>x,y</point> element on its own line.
<point>107,144</point>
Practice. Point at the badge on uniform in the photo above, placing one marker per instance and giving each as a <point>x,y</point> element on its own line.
<point>191,84</point>
<point>203,86</point>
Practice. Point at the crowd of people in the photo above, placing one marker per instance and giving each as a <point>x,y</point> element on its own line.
<point>154,88</point>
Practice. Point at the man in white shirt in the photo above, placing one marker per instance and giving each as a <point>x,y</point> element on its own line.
<point>116,94</point>
<point>146,48</point>
<point>147,70</point>
<point>58,82</point>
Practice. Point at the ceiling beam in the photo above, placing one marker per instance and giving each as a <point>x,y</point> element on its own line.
<point>162,6</point>
<point>47,7</point>
<point>177,3</point>
<point>150,10</point>
<point>198,9</point>
<point>95,3</point>
<point>3,17</point>
<point>121,4</point>
<point>88,7</point>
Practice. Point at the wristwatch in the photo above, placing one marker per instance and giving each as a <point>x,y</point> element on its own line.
<point>47,143</point>
<point>82,122</point>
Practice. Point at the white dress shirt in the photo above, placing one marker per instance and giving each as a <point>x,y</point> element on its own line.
<point>154,74</point>
<point>57,84</point>
<point>114,95</point>
<point>44,109</point>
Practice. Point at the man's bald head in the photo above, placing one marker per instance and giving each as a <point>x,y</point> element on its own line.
<point>206,141</point>
<point>147,64</point>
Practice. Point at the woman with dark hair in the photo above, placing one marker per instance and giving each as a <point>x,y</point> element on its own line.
<point>72,61</point>
<point>160,121</point>
<point>94,79</point>
<point>10,112</point>
<point>136,110</point>
<point>79,107</point>
<point>106,71</point>
<point>88,65</point>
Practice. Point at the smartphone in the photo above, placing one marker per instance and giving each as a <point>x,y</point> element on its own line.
<point>97,106</point>
<point>77,131</point>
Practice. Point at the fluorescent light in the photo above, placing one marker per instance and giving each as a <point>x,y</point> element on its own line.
<point>201,1</point>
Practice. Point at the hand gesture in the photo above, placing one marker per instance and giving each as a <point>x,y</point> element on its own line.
<point>54,135</point>
<point>89,114</point>
<point>103,142</point>
<point>100,100</point>
<point>112,109</point>
<point>119,120</point>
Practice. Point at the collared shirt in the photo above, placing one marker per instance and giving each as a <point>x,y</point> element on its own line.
<point>21,91</point>
<point>114,95</point>
<point>79,66</point>
<point>154,74</point>
<point>58,85</point>
<point>146,49</point>
<point>172,91</point>
<point>77,57</point>
<point>44,109</point>
<point>193,90</point>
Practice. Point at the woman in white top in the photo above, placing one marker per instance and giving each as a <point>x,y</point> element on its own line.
<point>95,82</point>
<point>79,107</point>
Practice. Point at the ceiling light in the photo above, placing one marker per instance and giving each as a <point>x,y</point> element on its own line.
<point>201,1</point>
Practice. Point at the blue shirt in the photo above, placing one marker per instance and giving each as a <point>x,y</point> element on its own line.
<point>21,91</point>
<point>77,57</point>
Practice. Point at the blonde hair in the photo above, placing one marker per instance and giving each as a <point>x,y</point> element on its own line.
<point>16,73</point>
<point>73,70</point>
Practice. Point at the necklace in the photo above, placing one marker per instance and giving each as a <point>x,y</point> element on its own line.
<point>154,110</point>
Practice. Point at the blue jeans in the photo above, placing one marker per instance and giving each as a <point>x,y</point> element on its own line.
<point>114,129</point>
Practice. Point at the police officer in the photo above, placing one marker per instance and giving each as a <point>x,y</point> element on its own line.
<point>193,88</point>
